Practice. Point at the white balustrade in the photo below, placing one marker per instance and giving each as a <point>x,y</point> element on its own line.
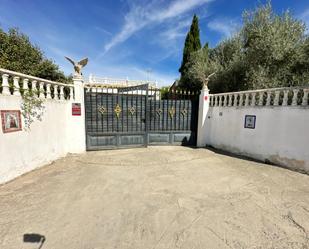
<point>24,80</point>
<point>119,82</point>
<point>256,97</point>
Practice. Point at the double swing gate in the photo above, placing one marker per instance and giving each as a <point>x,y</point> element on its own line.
<point>139,116</point>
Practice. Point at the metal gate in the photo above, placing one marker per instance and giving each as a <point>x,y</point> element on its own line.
<point>139,116</point>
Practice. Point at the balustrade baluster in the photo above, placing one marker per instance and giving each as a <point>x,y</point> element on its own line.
<point>253,95</point>
<point>16,86</point>
<point>246,99</point>
<point>235,100</point>
<point>305,97</point>
<point>211,99</point>
<point>268,98</point>
<point>225,100</point>
<point>48,91</point>
<point>295,97</point>
<point>276,100</point>
<point>34,88</point>
<point>25,85</point>
<point>230,99</point>
<point>41,90</point>
<point>5,84</point>
<point>61,96</point>
<point>220,100</point>
<point>72,96</point>
<point>240,100</point>
<point>261,98</point>
<point>285,97</point>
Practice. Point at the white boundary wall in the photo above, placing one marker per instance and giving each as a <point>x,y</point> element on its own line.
<point>281,134</point>
<point>56,135</point>
<point>23,151</point>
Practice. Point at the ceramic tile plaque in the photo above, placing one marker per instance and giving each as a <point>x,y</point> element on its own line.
<point>11,121</point>
<point>250,121</point>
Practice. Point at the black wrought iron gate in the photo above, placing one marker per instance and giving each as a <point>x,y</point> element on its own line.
<point>139,116</point>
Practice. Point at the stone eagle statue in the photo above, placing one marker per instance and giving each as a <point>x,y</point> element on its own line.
<point>205,86</point>
<point>78,65</point>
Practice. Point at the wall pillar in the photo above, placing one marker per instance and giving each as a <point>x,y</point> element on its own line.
<point>76,123</point>
<point>202,116</point>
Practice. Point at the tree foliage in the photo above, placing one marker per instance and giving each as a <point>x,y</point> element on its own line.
<point>195,70</point>
<point>17,53</point>
<point>192,43</point>
<point>270,50</point>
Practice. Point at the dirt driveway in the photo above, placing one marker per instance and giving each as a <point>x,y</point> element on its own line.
<point>159,197</point>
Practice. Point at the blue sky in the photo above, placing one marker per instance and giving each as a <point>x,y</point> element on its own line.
<point>127,38</point>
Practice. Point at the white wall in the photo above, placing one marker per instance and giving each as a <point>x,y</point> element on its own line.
<point>281,134</point>
<point>23,151</point>
<point>57,134</point>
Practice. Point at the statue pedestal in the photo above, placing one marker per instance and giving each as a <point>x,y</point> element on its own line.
<point>76,129</point>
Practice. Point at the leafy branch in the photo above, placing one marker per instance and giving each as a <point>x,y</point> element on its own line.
<point>32,108</point>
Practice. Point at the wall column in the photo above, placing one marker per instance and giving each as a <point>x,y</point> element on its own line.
<point>202,116</point>
<point>76,125</point>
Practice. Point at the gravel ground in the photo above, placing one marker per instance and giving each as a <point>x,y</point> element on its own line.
<point>156,197</point>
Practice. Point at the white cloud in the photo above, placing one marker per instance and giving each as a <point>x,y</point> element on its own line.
<point>144,15</point>
<point>225,26</point>
<point>175,32</point>
<point>102,30</point>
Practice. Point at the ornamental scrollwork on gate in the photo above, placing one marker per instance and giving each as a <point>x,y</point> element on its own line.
<point>101,109</point>
<point>159,112</point>
<point>184,112</point>
<point>172,112</point>
<point>117,110</point>
<point>132,110</point>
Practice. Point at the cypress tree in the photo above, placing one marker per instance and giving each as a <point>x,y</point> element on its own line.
<point>192,42</point>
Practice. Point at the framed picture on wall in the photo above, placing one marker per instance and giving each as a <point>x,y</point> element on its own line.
<point>11,121</point>
<point>250,121</point>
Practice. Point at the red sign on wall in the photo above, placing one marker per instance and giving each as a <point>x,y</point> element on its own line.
<point>76,109</point>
